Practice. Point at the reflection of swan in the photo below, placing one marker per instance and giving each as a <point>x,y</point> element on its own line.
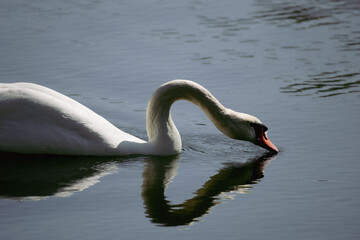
<point>157,174</point>
<point>35,119</point>
<point>37,177</point>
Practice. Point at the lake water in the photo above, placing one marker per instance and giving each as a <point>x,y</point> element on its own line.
<point>293,64</point>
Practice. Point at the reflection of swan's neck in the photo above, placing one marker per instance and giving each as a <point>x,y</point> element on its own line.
<point>163,134</point>
<point>160,170</point>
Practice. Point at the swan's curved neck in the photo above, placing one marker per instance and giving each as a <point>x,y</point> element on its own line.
<point>162,133</point>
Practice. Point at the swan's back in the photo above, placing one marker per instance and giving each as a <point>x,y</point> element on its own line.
<point>35,119</point>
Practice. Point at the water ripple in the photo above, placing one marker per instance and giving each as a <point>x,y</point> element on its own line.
<point>338,15</point>
<point>295,13</point>
<point>314,10</point>
<point>326,84</point>
<point>328,35</point>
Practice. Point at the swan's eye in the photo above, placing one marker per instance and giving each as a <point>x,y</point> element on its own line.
<point>264,128</point>
<point>265,135</point>
<point>260,129</point>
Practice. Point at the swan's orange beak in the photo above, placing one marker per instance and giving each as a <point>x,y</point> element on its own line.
<point>264,141</point>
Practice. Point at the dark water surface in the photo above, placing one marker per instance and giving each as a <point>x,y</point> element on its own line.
<point>293,64</point>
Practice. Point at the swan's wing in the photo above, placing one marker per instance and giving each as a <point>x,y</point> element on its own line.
<point>37,119</point>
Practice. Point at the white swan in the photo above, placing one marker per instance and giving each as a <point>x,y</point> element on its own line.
<point>36,119</point>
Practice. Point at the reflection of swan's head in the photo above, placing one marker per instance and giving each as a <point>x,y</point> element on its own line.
<point>242,126</point>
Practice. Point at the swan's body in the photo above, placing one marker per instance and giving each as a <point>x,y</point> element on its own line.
<point>36,119</point>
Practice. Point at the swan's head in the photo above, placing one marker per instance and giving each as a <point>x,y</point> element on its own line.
<point>245,127</point>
